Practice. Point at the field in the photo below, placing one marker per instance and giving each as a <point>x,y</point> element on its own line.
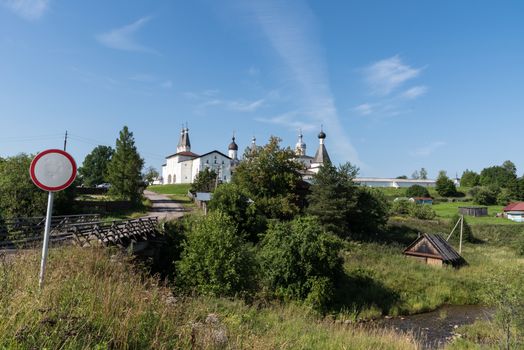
<point>98,299</point>
<point>447,210</point>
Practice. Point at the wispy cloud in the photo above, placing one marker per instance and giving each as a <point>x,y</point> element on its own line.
<point>290,121</point>
<point>415,92</point>
<point>364,109</point>
<point>27,9</point>
<point>123,38</point>
<point>427,150</point>
<point>211,98</point>
<point>386,75</point>
<point>291,30</point>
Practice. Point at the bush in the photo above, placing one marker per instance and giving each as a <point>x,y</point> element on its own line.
<point>401,206</point>
<point>216,260</point>
<point>301,262</point>
<point>417,191</point>
<point>234,201</point>
<point>422,211</point>
<point>485,195</point>
<point>504,197</point>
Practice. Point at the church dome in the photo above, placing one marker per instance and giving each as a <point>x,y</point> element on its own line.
<point>233,146</point>
<point>322,135</point>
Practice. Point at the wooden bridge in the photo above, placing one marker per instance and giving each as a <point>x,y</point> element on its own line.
<point>84,230</point>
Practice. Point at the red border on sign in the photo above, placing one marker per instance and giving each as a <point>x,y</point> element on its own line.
<point>47,188</point>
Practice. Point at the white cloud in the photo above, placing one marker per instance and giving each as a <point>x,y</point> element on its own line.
<point>124,38</point>
<point>415,92</point>
<point>27,9</point>
<point>386,75</point>
<point>290,121</point>
<point>290,29</point>
<point>427,150</point>
<point>211,98</point>
<point>364,109</point>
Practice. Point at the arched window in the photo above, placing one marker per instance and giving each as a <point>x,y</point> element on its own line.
<point>169,179</point>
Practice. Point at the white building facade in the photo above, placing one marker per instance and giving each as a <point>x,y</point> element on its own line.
<point>183,166</point>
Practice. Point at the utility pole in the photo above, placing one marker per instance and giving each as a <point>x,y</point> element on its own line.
<point>65,141</point>
<point>461,230</point>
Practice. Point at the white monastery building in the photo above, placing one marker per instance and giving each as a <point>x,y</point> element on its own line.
<point>183,166</point>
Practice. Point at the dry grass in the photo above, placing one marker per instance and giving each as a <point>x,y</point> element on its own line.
<point>97,298</point>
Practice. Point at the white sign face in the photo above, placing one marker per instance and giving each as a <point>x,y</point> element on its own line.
<point>53,170</point>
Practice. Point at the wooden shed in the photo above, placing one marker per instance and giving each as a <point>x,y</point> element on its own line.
<point>434,250</point>
<point>474,211</point>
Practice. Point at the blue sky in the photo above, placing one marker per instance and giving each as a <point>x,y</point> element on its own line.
<point>397,85</point>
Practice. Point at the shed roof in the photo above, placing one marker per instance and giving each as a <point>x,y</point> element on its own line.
<point>441,249</point>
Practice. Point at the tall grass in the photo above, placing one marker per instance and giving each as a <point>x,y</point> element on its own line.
<point>95,298</point>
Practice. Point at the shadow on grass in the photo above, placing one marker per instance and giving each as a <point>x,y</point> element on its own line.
<point>358,291</point>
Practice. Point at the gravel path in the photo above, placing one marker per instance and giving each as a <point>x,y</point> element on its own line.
<point>163,206</point>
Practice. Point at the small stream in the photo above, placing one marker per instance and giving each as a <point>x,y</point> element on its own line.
<point>435,329</point>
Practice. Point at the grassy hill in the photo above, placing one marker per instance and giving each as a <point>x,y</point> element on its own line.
<point>99,299</point>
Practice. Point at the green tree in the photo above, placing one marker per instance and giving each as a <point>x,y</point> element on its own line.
<point>445,186</point>
<point>19,196</point>
<point>150,175</point>
<point>469,179</point>
<point>271,176</point>
<point>415,175</point>
<point>371,213</point>
<point>498,176</point>
<point>417,191</point>
<point>216,260</point>
<point>301,262</point>
<point>94,168</point>
<point>402,177</point>
<point>125,169</point>
<point>334,197</point>
<point>205,181</point>
<point>485,195</point>
<point>234,201</point>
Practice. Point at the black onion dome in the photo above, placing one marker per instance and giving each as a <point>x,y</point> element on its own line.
<point>322,135</point>
<point>233,146</point>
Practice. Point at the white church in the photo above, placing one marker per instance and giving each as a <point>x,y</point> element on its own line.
<point>184,165</point>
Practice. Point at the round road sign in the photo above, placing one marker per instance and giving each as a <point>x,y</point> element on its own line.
<point>53,170</point>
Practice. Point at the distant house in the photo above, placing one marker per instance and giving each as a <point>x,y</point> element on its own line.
<point>515,211</point>
<point>434,250</point>
<point>422,200</point>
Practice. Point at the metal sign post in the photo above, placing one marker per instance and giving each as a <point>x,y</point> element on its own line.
<point>52,170</point>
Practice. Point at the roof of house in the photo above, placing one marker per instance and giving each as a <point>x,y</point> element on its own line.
<point>518,206</point>
<point>439,248</point>
<point>204,196</point>
<point>186,154</point>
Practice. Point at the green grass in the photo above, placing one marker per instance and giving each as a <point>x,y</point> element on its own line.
<point>97,299</point>
<point>390,283</point>
<point>447,210</point>
<point>178,189</point>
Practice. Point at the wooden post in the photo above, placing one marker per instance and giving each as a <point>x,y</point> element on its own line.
<point>461,230</point>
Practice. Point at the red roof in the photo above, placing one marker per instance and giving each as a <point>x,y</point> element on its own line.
<point>518,206</point>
